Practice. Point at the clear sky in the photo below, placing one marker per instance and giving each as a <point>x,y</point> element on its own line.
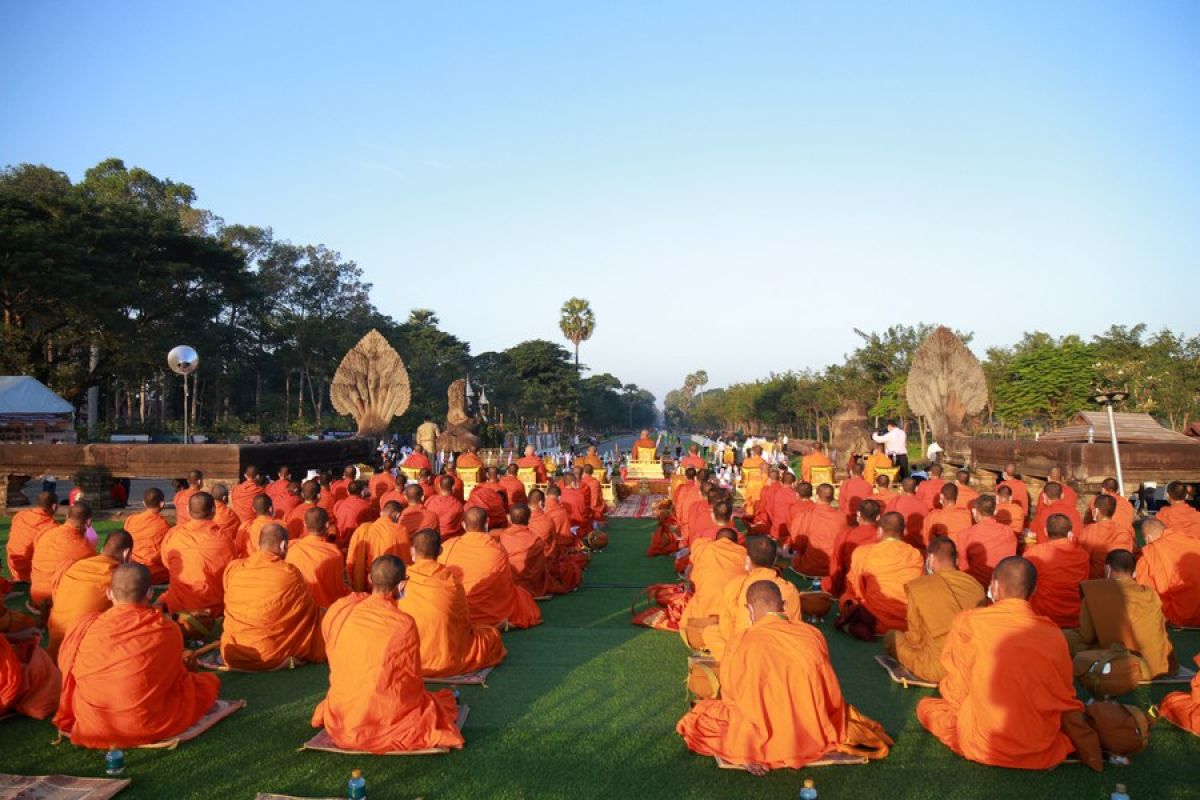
<point>734,186</point>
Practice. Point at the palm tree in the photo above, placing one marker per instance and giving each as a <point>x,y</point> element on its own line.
<point>577,323</point>
<point>423,318</point>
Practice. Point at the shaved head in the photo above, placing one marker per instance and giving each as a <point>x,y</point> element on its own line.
<point>414,494</point>
<point>985,505</point>
<point>202,506</point>
<point>728,534</point>
<point>475,520</point>
<point>310,491</point>
<point>1177,490</point>
<point>1053,491</point>
<point>80,514</point>
<point>1120,563</point>
<point>1109,484</point>
<point>47,501</point>
<point>537,498</point>
<point>1152,530</point>
<point>272,537</point>
<point>764,598</point>
<point>869,510</point>
<point>1015,577</point>
<point>943,550</point>
<point>892,525</point>
<point>825,493</point>
<point>804,490</point>
<point>152,498</point>
<point>118,543</point>
<point>315,520</point>
<point>1058,526</point>
<point>427,544</point>
<point>519,514</point>
<point>1106,504</point>
<point>220,493</point>
<point>130,584</point>
<point>762,551</point>
<point>387,572</point>
<point>262,505</point>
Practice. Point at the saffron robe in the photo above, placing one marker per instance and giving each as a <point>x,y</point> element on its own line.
<point>61,545</point>
<point>450,643</point>
<point>149,530</point>
<point>321,565</point>
<point>269,615</point>
<point>481,563</point>
<point>196,554</point>
<point>933,603</point>
<point>1061,566</point>
<point>1100,539</point>
<point>1122,611</point>
<point>813,538</point>
<point>80,589</point>
<point>734,617</point>
<point>878,574</point>
<point>26,528</point>
<point>1171,567</point>
<point>982,546</point>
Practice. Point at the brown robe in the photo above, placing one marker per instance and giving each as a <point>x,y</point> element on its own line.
<point>1121,611</point>
<point>933,602</point>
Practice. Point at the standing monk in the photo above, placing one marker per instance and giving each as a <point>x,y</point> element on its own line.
<point>124,680</point>
<point>241,499</point>
<point>1008,680</point>
<point>270,617</point>
<point>481,563</point>
<point>595,493</point>
<point>57,547</point>
<point>985,544</point>
<point>377,700</point>
<point>182,499</point>
<point>148,529</point>
<point>82,587</point>
<point>934,600</point>
<point>27,527</point>
<point>318,560</point>
<point>196,554</point>
<point>1170,565</point>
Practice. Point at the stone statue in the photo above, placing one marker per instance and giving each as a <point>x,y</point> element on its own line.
<point>460,424</point>
<point>371,385</point>
<point>850,432</point>
<point>946,384</point>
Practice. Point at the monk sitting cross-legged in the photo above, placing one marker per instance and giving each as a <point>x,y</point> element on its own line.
<point>354,509</point>
<point>1177,515</point>
<point>310,496</point>
<point>27,527</point>
<point>1116,610</point>
<point>377,700</point>
<point>1017,489</point>
<point>481,563</point>
<point>883,492</point>
<point>865,531</point>
<point>319,560</point>
<point>81,587</point>
<point>1054,501</point>
<point>879,572</point>
<point>486,497</point>
<point>909,506</point>
<point>986,543</point>
<point>933,602</point>
<point>450,643</point>
<point>196,554</point>
<point>415,516</point>
<point>526,552</point>
<point>248,533</point>
<point>1061,566</point>
<point>385,536</point>
<point>182,499</point>
<point>1104,534</point>
<point>514,490</point>
<point>813,534</point>
<point>781,705</point>
<point>1009,512</point>
<point>1183,708</point>
<point>853,491</point>
<point>149,530</point>
<point>949,518</point>
<point>227,520</point>
<point>564,571</point>
<point>1122,513</point>
<point>241,499</point>
<point>931,487</point>
<point>733,621</point>
<point>966,494</point>
<point>1170,565</point>
<point>714,563</point>
<point>530,460</point>
<point>447,507</point>
<point>1008,680</point>
<point>270,617</point>
<point>124,679</point>
<point>58,547</point>
<point>30,682</point>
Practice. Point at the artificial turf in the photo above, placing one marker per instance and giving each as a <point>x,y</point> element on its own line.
<point>585,706</point>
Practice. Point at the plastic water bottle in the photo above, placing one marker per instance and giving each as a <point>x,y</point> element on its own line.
<point>809,792</point>
<point>114,761</point>
<point>1120,793</point>
<point>357,786</point>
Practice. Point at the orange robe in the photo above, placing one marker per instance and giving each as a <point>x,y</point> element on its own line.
<point>241,499</point>
<point>485,497</point>
<point>26,528</point>
<point>1046,510</point>
<point>1171,567</point>
<point>734,618</point>
<point>418,518</point>
<point>321,565</point>
<point>481,563</point>
<point>578,510</point>
<point>844,546</point>
<point>248,533</point>
<point>982,546</point>
<point>514,490</point>
<point>196,554</point>
<point>377,701</point>
<point>450,643</point>
<point>1183,708</point>
<point>1123,515</point>
<point>294,520</point>
<point>148,530</point>
<point>913,510</point>
<point>269,615</point>
<point>1020,493</point>
<point>685,496</point>
<point>596,496</point>
<point>806,465</point>
<point>872,465</point>
<point>966,496</point>
<point>1068,494</point>
<point>1100,539</point>
<point>230,526</point>
<point>527,558</point>
<point>180,501</point>
<point>695,462</point>
<point>565,572</point>
<point>449,510</point>
<point>370,541</point>
<point>933,603</point>
<point>418,461</point>
<point>124,682</point>
<point>1180,517</point>
<point>277,490</point>
<point>648,445</point>
<point>80,588</point>
<point>30,682</point>
<point>534,463</point>
<point>339,490</point>
<point>1012,515</point>
<point>350,513</point>
<point>1008,682</point>
<point>61,545</point>
<point>928,491</point>
<point>850,496</point>
<point>715,562</point>
<point>778,509</point>
<point>380,484</point>
<point>878,574</point>
<point>761,522</point>
<point>780,706</point>
<point>946,522</point>
<point>813,540</point>
<point>1061,566</point>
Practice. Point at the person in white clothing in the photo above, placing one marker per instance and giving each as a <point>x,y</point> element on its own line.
<point>895,445</point>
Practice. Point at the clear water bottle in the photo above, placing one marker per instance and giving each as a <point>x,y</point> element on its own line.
<point>357,786</point>
<point>1120,793</point>
<point>114,761</point>
<point>809,792</point>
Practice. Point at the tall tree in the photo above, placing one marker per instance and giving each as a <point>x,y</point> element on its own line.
<point>577,322</point>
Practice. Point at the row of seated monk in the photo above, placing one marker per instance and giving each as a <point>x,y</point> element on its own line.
<point>469,467</point>
<point>925,589</point>
<point>387,601</point>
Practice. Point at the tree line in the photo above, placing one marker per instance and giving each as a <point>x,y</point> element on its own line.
<point>100,278</point>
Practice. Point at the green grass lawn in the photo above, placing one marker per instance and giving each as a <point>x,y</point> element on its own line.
<point>585,706</point>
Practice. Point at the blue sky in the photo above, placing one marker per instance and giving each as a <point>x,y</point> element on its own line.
<point>733,186</point>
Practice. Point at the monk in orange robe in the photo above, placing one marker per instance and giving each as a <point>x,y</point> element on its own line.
<point>1061,566</point>
<point>781,705</point>
<point>486,496</point>
<point>1171,566</point>
<point>26,528</point>
<point>880,571</point>
<point>278,488</point>
<point>714,563</point>
<point>909,506</point>
<point>966,494</point>
<point>447,508</point>
<point>948,519</point>
<point>381,483</point>
<point>645,448</point>
<point>931,488</point>
<point>933,601</point>
<point>248,532</point>
<point>182,499</point>
<point>377,701</point>
<point>853,491</point>
<point>733,620</point>
<point>865,531</point>
<point>561,517</point>
<point>468,462</point>
<point>450,643</point>
<point>1009,512</point>
<point>591,457</point>
<point>481,563</point>
<point>81,587</point>
<point>318,560</point>
<point>1053,502</point>
<point>813,536</point>
<point>876,461</point>
<point>310,495</point>
<point>760,522</point>
<point>985,544</point>
<point>778,508</point>
<point>1123,512</point>
<point>148,529</point>
<point>60,546</point>
<point>1104,535</point>
<point>241,499</point>
<point>383,537</point>
<point>270,616</point>
<point>226,519</point>
<point>595,493</point>
<point>1183,708</point>
<point>415,516</point>
<point>1178,515</point>
<point>1068,494</point>
<point>30,682</point>
<point>353,510</point>
<point>328,498</point>
<point>884,493</point>
<point>531,461</point>
<point>124,680</point>
<point>196,554</point>
<point>526,552</point>
<point>340,488</point>
<point>686,495</point>
<point>1016,487</point>
<point>514,490</point>
<point>564,568</point>
<point>1008,680</point>
<point>576,504</point>
<point>815,457</point>
<point>449,471</point>
<point>417,459</point>
<point>693,458</point>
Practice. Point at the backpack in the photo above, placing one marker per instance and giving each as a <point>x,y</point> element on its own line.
<point>1123,729</point>
<point>1108,673</point>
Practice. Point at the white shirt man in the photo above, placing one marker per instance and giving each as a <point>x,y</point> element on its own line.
<point>895,441</point>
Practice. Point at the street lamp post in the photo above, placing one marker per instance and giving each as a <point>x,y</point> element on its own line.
<point>183,361</point>
<point>1108,398</point>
